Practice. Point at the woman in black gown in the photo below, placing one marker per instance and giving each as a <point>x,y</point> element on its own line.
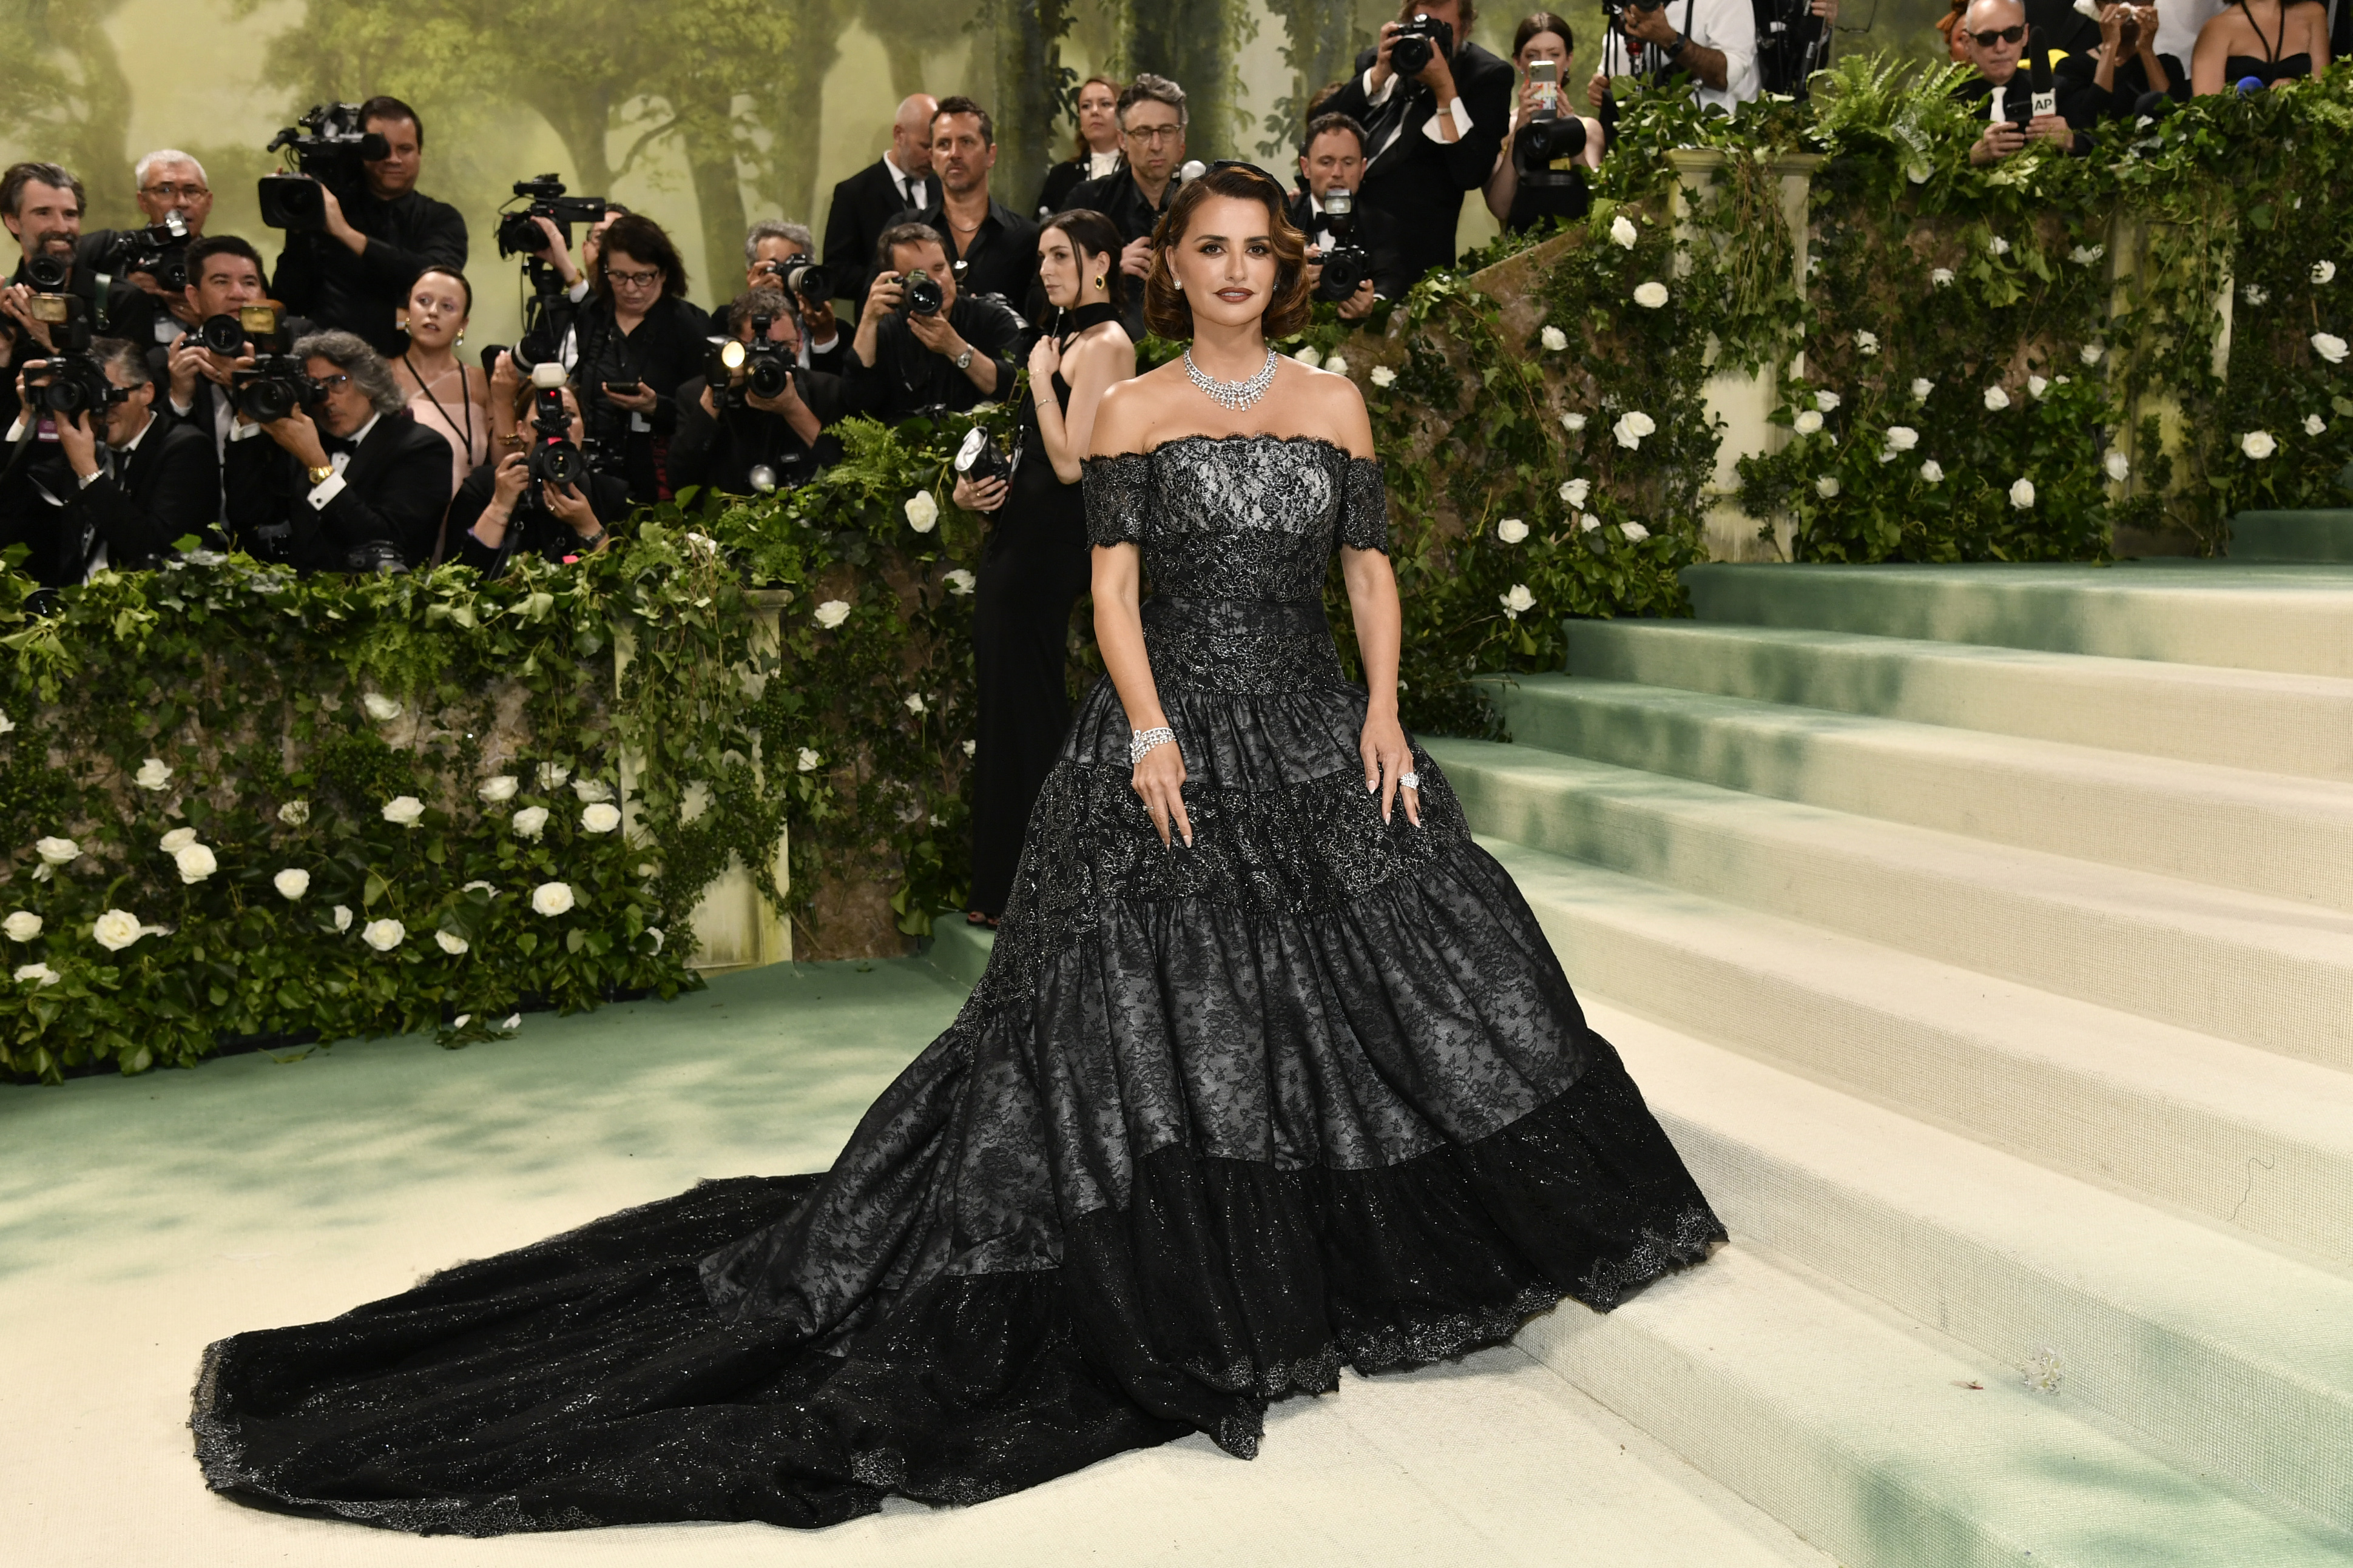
<point>1272,1070</point>
<point>1035,565</point>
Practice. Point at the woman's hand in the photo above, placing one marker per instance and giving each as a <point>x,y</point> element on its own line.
<point>1044,361</point>
<point>1387,760</point>
<point>1160,780</point>
<point>985,496</point>
<point>570,509</point>
<point>641,401</point>
<point>509,481</point>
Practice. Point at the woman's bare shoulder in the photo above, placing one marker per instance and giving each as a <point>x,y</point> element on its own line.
<point>1338,407</point>
<point>1135,411</point>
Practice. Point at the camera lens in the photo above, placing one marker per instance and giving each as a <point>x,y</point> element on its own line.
<point>46,273</point>
<point>769,376</point>
<point>923,294</point>
<point>222,334</point>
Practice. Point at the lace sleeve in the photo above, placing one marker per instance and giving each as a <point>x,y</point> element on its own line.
<point>1118,491</point>
<point>1364,505</point>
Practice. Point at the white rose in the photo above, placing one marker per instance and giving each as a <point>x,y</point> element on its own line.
<point>1511,531</point>
<point>2086,254</point>
<point>1827,487</point>
<point>1621,229</point>
<point>1631,428</point>
<point>1309,357</point>
<point>1635,532</point>
<point>116,930</point>
<point>2119,467</point>
<point>179,838</point>
<point>1942,278</point>
<point>153,773</point>
<point>810,760</point>
<point>1554,338</point>
<point>1517,600</point>
<point>531,821</point>
<point>2328,346</point>
<point>1921,388</point>
<point>1827,402</point>
<point>2090,353</point>
<point>294,812</point>
<point>832,613</point>
<point>923,511</point>
<point>404,811</point>
<point>451,943</point>
<point>1996,399</point>
<point>961,581</point>
<point>591,791</point>
<point>1807,422</point>
<point>914,703</point>
<point>2313,424</point>
<point>551,898</point>
<point>343,917</point>
<point>196,863</point>
<point>2022,494</point>
<point>58,851</point>
<point>499,789</point>
<point>1650,295</point>
<point>479,887</point>
<point>2324,272</point>
<point>380,708</point>
<point>1918,173</point>
<point>1866,344</point>
<point>2255,294</point>
<point>601,817</point>
<point>2258,445</point>
<point>1337,366</point>
<point>2036,386</point>
<point>553,777</point>
<point>1384,377</point>
<point>1574,491</point>
<point>1901,437</point>
<point>1998,245</point>
<point>23,925</point>
<point>291,883</point>
<point>1933,471</point>
<point>1573,423</point>
<point>7,723</point>
<point>655,932</point>
<point>970,747</point>
<point>1588,523</point>
<point>39,972</point>
<point>383,935</point>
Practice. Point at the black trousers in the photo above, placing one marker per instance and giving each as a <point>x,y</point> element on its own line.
<point>1035,566</point>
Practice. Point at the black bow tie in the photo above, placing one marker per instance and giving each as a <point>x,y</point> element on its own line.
<point>335,444</point>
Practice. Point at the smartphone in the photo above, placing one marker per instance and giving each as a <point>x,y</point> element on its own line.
<point>626,388</point>
<point>1545,75</point>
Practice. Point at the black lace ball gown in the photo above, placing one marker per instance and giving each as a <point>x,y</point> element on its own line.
<point>1215,1121</point>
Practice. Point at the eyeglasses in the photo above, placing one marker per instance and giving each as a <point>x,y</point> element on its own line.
<point>1153,136</point>
<point>172,193</point>
<point>1988,38</point>
<point>634,280</point>
<point>329,383</point>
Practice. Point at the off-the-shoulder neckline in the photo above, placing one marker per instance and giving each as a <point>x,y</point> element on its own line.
<point>1238,436</point>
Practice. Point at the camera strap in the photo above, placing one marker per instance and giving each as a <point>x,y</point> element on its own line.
<point>98,312</point>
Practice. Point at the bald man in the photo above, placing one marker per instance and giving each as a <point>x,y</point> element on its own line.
<point>1993,35</point>
<point>869,201</point>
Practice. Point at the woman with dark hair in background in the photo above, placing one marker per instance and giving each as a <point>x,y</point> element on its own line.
<point>443,394</point>
<point>1541,39</point>
<point>631,346</point>
<point>1035,565</point>
<point>499,514</point>
<point>1096,152</point>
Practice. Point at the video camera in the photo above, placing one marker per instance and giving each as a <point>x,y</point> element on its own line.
<point>737,372</point>
<point>159,250</point>
<point>802,276</point>
<point>1420,41</point>
<point>326,147</point>
<point>1346,265</point>
<point>519,235</point>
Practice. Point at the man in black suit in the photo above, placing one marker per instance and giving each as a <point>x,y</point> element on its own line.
<point>993,248</point>
<point>224,278</point>
<point>1335,160</point>
<point>870,200</point>
<point>346,483</point>
<point>353,275</point>
<point>1153,119</point>
<point>740,441</point>
<point>1432,138</point>
<point>42,205</point>
<point>118,487</point>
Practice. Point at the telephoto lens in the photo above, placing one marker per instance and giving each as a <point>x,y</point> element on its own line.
<point>803,277</point>
<point>1545,148</point>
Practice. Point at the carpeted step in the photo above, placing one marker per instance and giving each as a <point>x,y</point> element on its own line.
<point>2289,838</point>
<point>2300,724</point>
<point>2220,1355</point>
<point>2241,966</point>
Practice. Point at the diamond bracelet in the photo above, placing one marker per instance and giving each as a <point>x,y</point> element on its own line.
<point>1143,741</point>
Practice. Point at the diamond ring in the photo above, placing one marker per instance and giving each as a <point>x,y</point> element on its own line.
<point>1409,779</point>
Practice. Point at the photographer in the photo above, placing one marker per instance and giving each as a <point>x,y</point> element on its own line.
<point>1993,35</point>
<point>1433,105</point>
<point>1335,160</point>
<point>1793,42</point>
<point>41,204</point>
<point>173,194</point>
<point>1095,153</point>
<point>1545,50</point>
<point>991,249</point>
<point>921,343</point>
<point>344,481</point>
<point>2119,77</point>
<point>120,484</point>
<point>500,513</point>
<point>776,253</point>
<point>870,200</point>
<point>736,436</point>
<point>630,348</point>
<point>352,275</point>
<point>224,277</point>
<point>1152,119</point>
<point>1712,42</point>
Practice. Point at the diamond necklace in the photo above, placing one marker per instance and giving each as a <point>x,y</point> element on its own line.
<point>1235,394</point>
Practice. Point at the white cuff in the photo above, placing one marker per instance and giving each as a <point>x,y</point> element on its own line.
<point>244,431</point>
<point>326,491</point>
<point>16,431</point>
<point>180,408</point>
<point>828,346</point>
<point>1461,116</point>
<point>84,481</point>
<point>1377,98</point>
<point>579,290</point>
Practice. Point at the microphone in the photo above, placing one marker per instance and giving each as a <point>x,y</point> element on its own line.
<point>2250,85</point>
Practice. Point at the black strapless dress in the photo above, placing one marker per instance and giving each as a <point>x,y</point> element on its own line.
<point>1214,1123</point>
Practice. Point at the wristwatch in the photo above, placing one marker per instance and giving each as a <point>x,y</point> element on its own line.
<point>321,475</point>
<point>1677,47</point>
<point>964,359</point>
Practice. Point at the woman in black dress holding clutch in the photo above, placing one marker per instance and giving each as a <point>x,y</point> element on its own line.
<point>1036,563</point>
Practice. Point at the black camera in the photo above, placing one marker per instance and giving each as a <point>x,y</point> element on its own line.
<point>519,235</point>
<point>1420,41</point>
<point>737,370</point>
<point>1346,265</point>
<point>72,383</point>
<point>925,297</point>
<point>1547,147</point>
<point>159,250</point>
<point>326,147</point>
<point>979,459</point>
<point>273,387</point>
<point>556,459</point>
<point>224,334</point>
<point>803,277</point>
<point>47,274</point>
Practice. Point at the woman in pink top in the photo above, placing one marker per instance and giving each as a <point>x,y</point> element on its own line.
<point>444,394</point>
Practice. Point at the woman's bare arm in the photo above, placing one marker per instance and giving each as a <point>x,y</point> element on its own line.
<point>1381,626</point>
<point>1120,426</point>
<point>1103,362</point>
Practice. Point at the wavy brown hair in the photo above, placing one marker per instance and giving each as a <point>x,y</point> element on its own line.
<point>1165,308</point>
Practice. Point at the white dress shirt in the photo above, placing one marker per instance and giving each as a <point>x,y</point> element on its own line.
<point>1429,127</point>
<point>911,184</point>
<point>1728,27</point>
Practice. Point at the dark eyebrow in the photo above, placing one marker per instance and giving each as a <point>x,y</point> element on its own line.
<point>1200,238</point>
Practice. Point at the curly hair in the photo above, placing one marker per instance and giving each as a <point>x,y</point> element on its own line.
<point>350,352</point>
<point>641,239</point>
<point>1165,309</point>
